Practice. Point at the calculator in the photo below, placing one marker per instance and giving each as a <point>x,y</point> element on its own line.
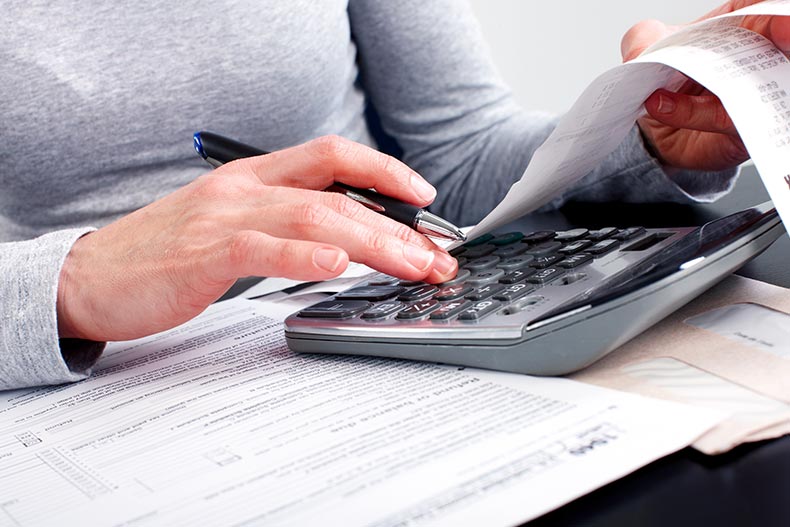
<point>541,303</point>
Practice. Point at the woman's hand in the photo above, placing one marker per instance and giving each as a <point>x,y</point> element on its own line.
<point>690,128</point>
<point>264,216</point>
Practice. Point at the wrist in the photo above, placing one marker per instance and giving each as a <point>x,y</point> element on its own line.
<point>68,289</point>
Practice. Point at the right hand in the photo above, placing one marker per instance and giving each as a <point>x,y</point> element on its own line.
<point>264,216</point>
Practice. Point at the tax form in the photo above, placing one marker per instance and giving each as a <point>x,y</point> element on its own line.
<point>216,422</point>
<point>745,70</point>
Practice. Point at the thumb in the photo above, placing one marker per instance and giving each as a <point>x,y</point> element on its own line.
<point>641,36</point>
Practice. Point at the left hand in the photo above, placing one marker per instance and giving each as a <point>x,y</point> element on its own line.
<point>690,128</point>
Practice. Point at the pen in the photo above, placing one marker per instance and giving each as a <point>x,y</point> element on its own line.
<point>218,150</point>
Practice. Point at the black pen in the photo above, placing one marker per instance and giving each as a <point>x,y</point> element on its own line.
<point>218,150</point>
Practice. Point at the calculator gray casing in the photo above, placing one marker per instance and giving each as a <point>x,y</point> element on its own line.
<point>556,346</point>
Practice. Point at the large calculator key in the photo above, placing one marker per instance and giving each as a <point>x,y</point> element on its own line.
<point>517,276</point>
<point>603,247</point>
<point>419,309</point>
<point>507,239</point>
<point>372,293</point>
<point>479,309</point>
<point>462,275</point>
<point>575,247</point>
<point>627,234</point>
<point>382,310</point>
<point>418,293</point>
<point>452,292</point>
<point>480,240</point>
<point>485,277</point>
<point>516,262</point>
<point>383,280</point>
<point>485,291</point>
<point>450,309</point>
<point>479,251</point>
<point>538,237</point>
<point>335,309</point>
<point>544,249</point>
<point>601,234</point>
<point>542,262</point>
<point>546,275</point>
<point>571,235</point>
<point>511,250</point>
<point>486,262</point>
<point>513,292</point>
<point>575,260</point>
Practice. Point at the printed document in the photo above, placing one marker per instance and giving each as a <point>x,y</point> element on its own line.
<point>216,422</point>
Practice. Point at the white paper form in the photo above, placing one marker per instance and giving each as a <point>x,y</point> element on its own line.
<point>217,423</point>
<point>745,70</point>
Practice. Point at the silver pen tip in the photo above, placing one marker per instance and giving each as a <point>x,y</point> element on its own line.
<point>432,225</point>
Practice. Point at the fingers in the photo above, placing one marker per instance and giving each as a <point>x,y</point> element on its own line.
<point>320,162</point>
<point>642,36</point>
<point>695,112</point>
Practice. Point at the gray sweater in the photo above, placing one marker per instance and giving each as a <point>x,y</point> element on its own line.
<point>99,102</point>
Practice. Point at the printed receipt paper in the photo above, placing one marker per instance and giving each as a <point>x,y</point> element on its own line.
<point>745,70</point>
<point>218,423</point>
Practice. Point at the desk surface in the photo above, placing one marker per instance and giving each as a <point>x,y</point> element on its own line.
<point>748,486</point>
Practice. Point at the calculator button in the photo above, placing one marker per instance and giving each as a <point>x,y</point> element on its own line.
<point>486,262</point>
<point>546,275</point>
<point>479,310</point>
<point>601,234</point>
<point>544,249</point>
<point>418,293</point>
<point>461,261</point>
<point>575,247</point>
<point>372,293</point>
<point>450,310</point>
<point>419,309</point>
<point>511,250</point>
<point>382,310</point>
<point>383,280</point>
<point>451,292</point>
<point>479,240</point>
<point>516,262</point>
<point>571,235</point>
<point>575,260</point>
<point>603,247</point>
<point>485,277</point>
<point>514,291</point>
<point>507,239</point>
<point>627,234</point>
<point>460,277</point>
<point>335,309</point>
<point>517,275</point>
<point>458,251</point>
<point>542,262</point>
<point>538,237</point>
<point>479,251</point>
<point>410,283</point>
<point>485,291</point>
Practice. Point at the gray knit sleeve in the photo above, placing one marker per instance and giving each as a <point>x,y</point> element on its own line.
<point>30,350</point>
<point>427,71</point>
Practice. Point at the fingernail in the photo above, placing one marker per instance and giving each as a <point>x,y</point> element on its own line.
<point>419,258</point>
<point>423,189</point>
<point>666,104</point>
<point>327,259</point>
<point>444,263</point>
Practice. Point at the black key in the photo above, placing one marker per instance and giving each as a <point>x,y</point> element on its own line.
<point>545,261</point>
<point>458,251</point>
<point>462,275</point>
<point>479,310</point>
<point>601,234</point>
<point>479,240</point>
<point>450,310</point>
<point>335,309</point>
<point>507,239</point>
<point>372,293</point>
<point>538,237</point>
<point>513,292</point>
<point>382,310</point>
<point>485,291</point>
<point>575,260</point>
<point>511,250</point>
<point>571,235</point>
<point>479,251</point>
<point>419,309</point>
<point>480,264</point>
<point>516,262</point>
<point>485,277</point>
<point>603,247</point>
<point>545,249</point>
<point>383,280</point>
<point>451,292</point>
<point>418,293</point>
<point>461,261</point>
<point>546,275</point>
<point>517,276</point>
<point>627,234</point>
<point>575,247</point>
<point>410,283</point>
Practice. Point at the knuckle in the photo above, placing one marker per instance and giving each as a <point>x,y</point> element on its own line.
<point>377,242</point>
<point>241,248</point>
<point>310,215</point>
<point>330,147</point>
